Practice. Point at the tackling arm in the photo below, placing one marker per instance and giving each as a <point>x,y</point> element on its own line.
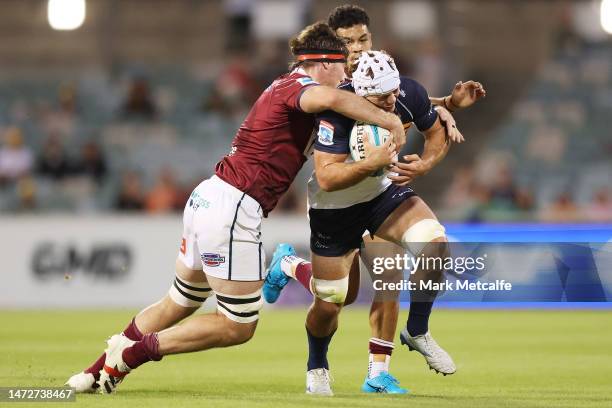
<point>320,98</point>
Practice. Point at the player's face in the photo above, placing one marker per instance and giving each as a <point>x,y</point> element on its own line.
<point>385,101</point>
<point>357,39</point>
<point>331,74</point>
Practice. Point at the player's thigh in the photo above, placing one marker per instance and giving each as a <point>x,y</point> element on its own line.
<point>354,282</point>
<point>376,250</point>
<point>233,288</point>
<point>332,267</point>
<point>377,247</point>
<point>188,274</point>
<point>412,211</point>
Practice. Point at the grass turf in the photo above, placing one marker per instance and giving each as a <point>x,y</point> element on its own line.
<point>504,359</point>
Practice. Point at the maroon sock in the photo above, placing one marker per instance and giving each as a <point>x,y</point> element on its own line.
<point>131,332</point>
<point>142,351</point>
<point>96,367</point>
<point>380,346</point>
<point>303,273</point>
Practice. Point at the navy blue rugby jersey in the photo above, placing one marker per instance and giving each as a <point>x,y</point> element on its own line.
<point>412,106</point>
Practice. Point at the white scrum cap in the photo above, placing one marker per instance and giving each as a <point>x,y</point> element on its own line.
<point>376,74</point>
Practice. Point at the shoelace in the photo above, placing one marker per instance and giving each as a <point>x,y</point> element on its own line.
<point>387,380</point>
<point>323,377</point>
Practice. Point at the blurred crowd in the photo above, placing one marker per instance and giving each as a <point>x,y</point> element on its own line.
<point>473,199</point>
<point>143,140</point>
<point>141,151</point>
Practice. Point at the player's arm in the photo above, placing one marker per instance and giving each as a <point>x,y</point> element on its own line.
<point>464,95</point>
<point>450,125</point>
<point>435,148</point>
<point>334,174</point>
<point>317,99</point>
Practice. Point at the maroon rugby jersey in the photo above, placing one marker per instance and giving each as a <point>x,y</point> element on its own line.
<point>270,146</point>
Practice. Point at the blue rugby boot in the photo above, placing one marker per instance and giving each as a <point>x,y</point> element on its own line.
<point>384,383</point>
<point>276,279</point>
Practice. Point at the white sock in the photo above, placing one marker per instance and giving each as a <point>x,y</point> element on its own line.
<point>377,367</point>
<point>289,264</point>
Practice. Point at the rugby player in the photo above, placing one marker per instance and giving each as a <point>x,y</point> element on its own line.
<point>221,249</point>
<point>351,23</point>
<point>346,199</point>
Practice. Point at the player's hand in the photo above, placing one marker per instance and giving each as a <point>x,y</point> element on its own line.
<point>449,123</point>
<point>397,131</point>
<point>465,94</point>
<point>407,172</point>
<point>381,156</point>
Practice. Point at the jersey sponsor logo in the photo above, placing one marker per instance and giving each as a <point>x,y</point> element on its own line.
<point>196,201</point>
<point>212,260</point>
<point>306,81</point>
<point>326,133</point>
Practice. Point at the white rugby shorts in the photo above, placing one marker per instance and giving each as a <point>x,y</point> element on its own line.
<point>222,232</point>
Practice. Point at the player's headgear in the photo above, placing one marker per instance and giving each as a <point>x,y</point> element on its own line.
<point>375,74</point>
<point>321,55</point>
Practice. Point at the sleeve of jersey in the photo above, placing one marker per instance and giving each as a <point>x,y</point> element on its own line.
<point>422,110</point>
<point>333,132</point>
<point>296,90</point>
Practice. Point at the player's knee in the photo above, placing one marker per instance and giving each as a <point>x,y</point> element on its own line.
<point>436,249</point>
<point>189,294</point>
<point>418,235</point>
<point>326,310</point>
<point>239,333</point>
<point>331,291</point>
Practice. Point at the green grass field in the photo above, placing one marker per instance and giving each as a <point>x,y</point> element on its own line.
<point>504,359</point>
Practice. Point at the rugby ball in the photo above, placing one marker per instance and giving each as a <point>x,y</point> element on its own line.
<point>375,134</point>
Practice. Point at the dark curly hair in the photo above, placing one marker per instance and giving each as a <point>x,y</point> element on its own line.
<point>347,16</point>
<point>317,36</point>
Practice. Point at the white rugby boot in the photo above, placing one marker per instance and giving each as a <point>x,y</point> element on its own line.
<point>83,383</point>
<point>318,382</point>
<point>437,359</point>
<point>115,369</point>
